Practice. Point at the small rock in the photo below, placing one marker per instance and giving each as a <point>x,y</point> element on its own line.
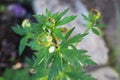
<point>105,73</point>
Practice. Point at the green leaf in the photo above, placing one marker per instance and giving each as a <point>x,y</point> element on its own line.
<point>8,75</point>
<point>96,31</point>
<point>39,60</point>
<point>23,76</point>
<point>87,25</point>
<point>69,55</point>
<point>85,17</point>
<point>82,51</point>
<point>69,33</point>
<point>77,38</point>
<point>55,16</point>
<point>40,75</point>
<point>34,45</point>
<point>36,28</point>
<point>41,18</point>
<point>40,64</point>
<point>56,67</point>
<point>30,35</point>
<point>22,45</point>
<point>19,30</point>
<point>66,61</point>
<point>91,17</point>
<point>65,20</point>
<point>100,25</point>
<point>61,14</point>
<point>77,75</point>
<point>48,13</point>
<point>43,56</point>
<point>63,77</point>
<point>58,33</point>
<point>99,19</point>
<point>85,59</point>
<point>2,8</point>
<point>73,55</point>
<point>90,62</point>
<point>29,61</point>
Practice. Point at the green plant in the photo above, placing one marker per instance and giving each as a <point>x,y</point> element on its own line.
<point>57,57</point>
<point>21,74</point>
<point>2,8</point>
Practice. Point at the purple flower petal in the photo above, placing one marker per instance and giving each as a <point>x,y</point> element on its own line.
<point>17,10</point>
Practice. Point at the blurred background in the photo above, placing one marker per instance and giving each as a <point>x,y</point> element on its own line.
<point>105,50</point>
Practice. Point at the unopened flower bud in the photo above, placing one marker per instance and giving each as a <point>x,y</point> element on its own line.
<point>96,13</point>
<point>26,23</point>
<point>45,40</point>
<point>50,22</point>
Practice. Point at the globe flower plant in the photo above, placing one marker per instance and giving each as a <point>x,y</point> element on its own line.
<point>56,55</point>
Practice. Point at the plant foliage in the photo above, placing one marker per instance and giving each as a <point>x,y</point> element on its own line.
<point>57,57</point>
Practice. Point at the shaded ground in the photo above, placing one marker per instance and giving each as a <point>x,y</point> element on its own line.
<point>9,41</point>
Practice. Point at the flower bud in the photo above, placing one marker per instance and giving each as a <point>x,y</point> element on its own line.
<point>26,23</point>
<point>96,13</point>
<point>50,22</point>
<point>45,40</point>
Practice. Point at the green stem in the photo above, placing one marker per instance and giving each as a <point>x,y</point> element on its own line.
<point>55,40</point>
<point>92,25</point>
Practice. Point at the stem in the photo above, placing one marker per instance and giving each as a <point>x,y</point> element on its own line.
<point>86,31</point>
<point>55,40</point>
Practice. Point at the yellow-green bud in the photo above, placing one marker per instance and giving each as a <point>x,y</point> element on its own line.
<point>26,23</point>
<point>64,30</point>
<point>96,13</point>
<point>45,40</point>
<point>50,22</point>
